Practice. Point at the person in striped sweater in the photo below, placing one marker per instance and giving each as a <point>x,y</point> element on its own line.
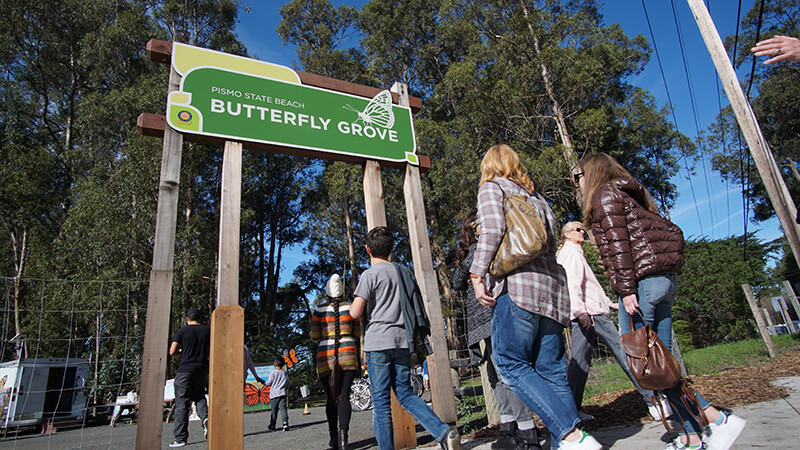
<point>336,334</point>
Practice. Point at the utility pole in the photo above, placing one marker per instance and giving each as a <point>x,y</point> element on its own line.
<point>767,167</point>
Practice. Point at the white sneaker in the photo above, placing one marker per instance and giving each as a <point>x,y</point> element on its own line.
<point>177,444</point>
<point>722,437</point>
<point>677,444</point>
<point>586,442</point>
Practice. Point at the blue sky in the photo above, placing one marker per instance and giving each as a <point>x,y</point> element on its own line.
<point>706,205</point>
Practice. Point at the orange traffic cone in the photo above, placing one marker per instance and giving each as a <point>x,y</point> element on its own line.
<point>306,411</point>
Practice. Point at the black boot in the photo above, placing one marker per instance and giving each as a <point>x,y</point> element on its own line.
<point>334,442</point>
<point>527,439</point>
<point>343,439</point>
<point>505,436</point>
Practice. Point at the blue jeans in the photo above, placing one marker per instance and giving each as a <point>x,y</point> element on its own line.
<point>391,369</point>
<point>656,295</point>
<point>530,357</point>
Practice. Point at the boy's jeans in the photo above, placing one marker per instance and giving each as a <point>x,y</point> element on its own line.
<point>392,369</point>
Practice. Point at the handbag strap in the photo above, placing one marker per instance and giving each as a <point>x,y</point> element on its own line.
<point>528,194</point>
<point>656,399</point>
<point>630,319</point>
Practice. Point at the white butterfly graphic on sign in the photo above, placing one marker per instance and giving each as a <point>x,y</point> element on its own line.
<point>378,111</point>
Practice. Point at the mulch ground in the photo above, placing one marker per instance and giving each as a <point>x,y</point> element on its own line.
<point>735,386</point>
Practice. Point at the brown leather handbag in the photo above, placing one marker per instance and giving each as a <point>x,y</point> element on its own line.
<point>649,358</point>
<point>656,369</point>
<point>525,238</point>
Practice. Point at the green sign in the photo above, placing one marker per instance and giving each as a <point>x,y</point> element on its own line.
<point>225,103</point>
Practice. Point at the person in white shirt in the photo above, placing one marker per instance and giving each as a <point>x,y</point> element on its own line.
<point>590,315</point>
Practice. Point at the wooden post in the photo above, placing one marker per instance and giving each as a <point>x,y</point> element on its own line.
<point>762,327</point>
<point>768,318</point>
<point>159,294</point>
<point>767,167</point>
<point>373,195</point>
<point>405,435</point>
<point>792,297</point>
<point>226,381</point>
<point>786,317</point>
<point>492,414</point>
<point>444,401</point>
<point>226,408</point>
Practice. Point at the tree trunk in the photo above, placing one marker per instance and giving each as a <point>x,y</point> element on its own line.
<point>351,250</point>
<point>558,112</point>
<point>794,169</point>
<point>19,269</point>
<point>270,294</point>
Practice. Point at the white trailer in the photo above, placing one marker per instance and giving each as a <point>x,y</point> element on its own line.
<point>33,390</point>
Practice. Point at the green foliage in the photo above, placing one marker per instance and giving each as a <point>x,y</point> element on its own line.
<point>710,297</point>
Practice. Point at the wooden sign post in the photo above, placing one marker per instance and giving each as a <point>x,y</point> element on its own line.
<point>159,294</point>
<point>226,362</point>
<point>404,431</point>
<point>444,401</point>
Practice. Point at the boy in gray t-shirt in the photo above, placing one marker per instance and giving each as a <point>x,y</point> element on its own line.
<point>386,346</point>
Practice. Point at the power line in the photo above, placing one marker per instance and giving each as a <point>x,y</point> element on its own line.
<point>722,129</point>
<point>672,110</point>
<point>681,47</point>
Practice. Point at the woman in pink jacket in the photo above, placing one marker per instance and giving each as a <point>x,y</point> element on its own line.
<point>590,310</point>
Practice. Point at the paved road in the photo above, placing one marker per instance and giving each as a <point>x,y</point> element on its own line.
<point>306,432</point>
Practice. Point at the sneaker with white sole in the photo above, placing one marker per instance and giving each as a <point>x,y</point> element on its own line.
<point>586,442</point>
<point>677,444</point>
<point>178,444</point>
<point>451,440</point>
<point>205,428</point>
<point>722,436</point>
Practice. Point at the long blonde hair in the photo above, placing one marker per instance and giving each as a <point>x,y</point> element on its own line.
<point>501,161</point>
<point>598,170</point>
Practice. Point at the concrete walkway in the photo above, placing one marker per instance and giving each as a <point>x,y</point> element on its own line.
<point>774,425</point>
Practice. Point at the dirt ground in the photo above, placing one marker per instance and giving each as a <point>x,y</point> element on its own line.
<point>730,388</point>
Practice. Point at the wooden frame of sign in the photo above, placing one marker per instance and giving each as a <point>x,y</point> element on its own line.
<point>227,321</point>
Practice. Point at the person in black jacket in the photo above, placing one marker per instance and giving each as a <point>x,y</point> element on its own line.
<point>191,381</point>
<point>517,429</point>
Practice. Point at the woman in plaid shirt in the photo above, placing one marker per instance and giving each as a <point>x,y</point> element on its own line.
<point>530,305</point>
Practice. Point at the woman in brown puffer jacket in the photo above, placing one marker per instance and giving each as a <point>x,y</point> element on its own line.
<point>642,252</point>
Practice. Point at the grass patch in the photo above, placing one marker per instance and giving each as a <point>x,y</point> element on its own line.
<point>714,359</point>
<point>606,375</point>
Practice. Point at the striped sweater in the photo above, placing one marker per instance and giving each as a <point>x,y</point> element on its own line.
<point>323,332</point>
